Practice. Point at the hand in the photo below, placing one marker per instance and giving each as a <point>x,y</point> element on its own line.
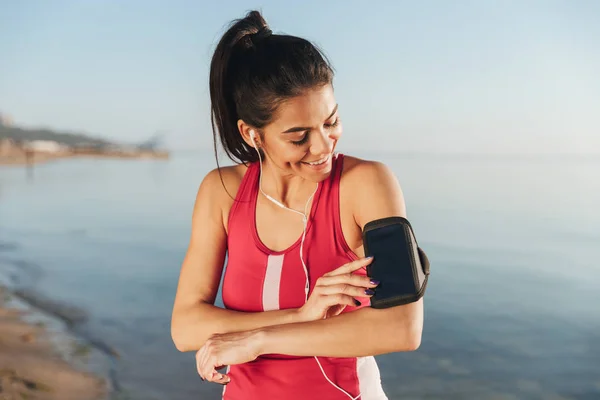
<point>226,349</point>
<point>337,289</point>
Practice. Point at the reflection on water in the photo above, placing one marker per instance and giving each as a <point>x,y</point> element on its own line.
<point>511,308</point>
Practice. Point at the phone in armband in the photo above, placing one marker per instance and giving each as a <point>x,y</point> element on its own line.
<point>399,264</point>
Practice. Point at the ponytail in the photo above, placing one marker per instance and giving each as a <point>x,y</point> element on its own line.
<point>251,72</point>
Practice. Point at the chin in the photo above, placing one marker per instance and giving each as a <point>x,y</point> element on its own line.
<point>317,173</point>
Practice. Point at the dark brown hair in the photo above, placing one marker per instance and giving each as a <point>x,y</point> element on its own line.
<point>252,71</point>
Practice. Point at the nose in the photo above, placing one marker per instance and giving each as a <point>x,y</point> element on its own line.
<point>321,143</point>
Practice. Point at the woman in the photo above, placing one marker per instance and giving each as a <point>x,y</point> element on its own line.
<point>289,216</point>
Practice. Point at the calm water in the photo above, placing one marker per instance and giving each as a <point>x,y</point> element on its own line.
<point>512,308</point>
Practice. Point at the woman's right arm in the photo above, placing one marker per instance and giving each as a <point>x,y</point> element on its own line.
<point>195,317</point>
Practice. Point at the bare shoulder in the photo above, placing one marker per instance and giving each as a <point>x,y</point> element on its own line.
<point>219,188</point>
<point>373,190</point>
<point>224,181</point>
<point>358,168</point>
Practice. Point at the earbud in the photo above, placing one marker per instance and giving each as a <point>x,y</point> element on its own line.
<point>252,135</point>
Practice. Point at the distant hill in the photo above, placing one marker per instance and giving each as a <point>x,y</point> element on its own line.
<point>20,135</point>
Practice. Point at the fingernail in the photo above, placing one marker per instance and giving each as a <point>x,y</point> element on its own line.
<point>369,292</point>
<point>374,282</point>
<point>368,258</point>
<point>358,303</point>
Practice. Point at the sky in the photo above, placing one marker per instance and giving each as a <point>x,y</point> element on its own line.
<point>483,76</point>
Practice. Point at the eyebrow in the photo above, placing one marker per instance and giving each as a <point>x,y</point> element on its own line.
<point>301,128</point>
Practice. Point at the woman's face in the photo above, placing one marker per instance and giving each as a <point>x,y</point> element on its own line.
<point>303,134</point>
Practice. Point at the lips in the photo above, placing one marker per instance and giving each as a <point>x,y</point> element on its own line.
<point>318,162</point>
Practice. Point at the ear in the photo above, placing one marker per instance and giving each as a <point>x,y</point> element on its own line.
<point>247,131</point>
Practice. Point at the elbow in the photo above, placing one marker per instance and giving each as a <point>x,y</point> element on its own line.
<point>414,336</point>
<point>409,340</point>
<point>183,347</point>
<point>190,328</point>
<point>411,325</point>
<point>414,331</point>
<point>180,345</point>
<point>180,337</point>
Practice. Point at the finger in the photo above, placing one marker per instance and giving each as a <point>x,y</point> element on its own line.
<point>213,375</point>
<point>353,291</point>
<point>349,279</point>
<point>199,356</point>
<point>208,369</point>
<point>335,310</point>
<point>351,266</point>
<point>204,357</point>
<point>223,379</point>
<point>210,373</point>
<point>339,299</point>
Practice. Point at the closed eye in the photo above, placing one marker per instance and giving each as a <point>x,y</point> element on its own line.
<point>334,124</point>
<point>305,137</point>
<point>301,141</point>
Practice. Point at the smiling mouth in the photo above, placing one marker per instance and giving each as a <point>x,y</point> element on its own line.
<point>319,162</point>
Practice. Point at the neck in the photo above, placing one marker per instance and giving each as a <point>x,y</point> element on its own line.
<point>287,188</point>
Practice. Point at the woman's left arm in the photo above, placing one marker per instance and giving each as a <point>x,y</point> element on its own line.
<point>360,333</point>
<point>368,331</point>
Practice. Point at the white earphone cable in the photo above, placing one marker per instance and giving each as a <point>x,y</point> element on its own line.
<point>305,217</point>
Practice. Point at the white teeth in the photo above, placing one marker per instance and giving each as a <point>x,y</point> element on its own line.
<point>318,162</point>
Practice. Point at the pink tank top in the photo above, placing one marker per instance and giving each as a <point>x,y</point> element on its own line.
<point>259,279</point>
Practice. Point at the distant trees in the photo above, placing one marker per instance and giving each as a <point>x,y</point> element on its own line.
<point>154,143</point>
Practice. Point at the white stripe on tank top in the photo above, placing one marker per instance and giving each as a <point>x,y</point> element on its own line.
<point>271,284</point>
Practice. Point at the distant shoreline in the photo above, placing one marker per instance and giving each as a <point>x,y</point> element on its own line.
<point>23,159</point>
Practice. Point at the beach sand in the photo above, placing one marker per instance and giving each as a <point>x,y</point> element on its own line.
<point>31,367</point>
<point>19,159</point>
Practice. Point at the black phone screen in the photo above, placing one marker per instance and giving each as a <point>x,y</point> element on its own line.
<point>391,263</point>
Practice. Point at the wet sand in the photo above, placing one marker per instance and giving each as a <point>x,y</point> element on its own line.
<point>31,367</point>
